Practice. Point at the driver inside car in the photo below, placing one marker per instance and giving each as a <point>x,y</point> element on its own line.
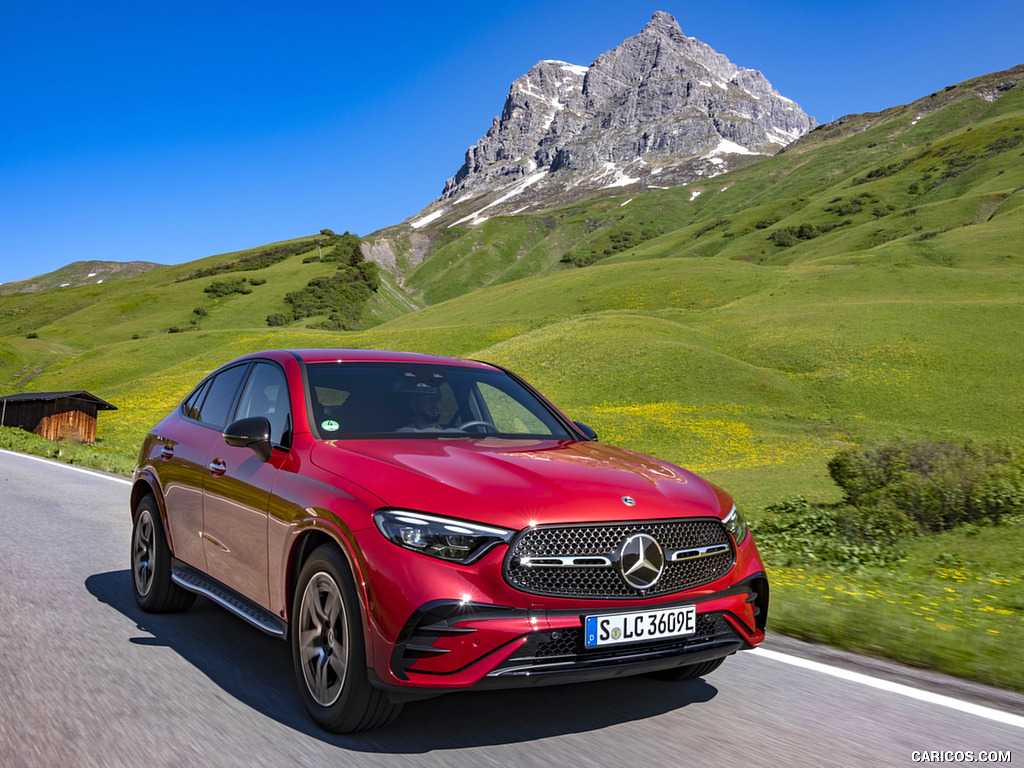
<point>426,410</point>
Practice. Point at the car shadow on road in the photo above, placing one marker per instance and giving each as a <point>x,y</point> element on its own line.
<point>256,669</point>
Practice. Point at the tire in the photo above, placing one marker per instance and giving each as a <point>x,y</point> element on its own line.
<point>329,650</point>
<point>688,672</point>
<point>151,563</point>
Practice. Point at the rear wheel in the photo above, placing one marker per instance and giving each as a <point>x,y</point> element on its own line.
<point>689,672</point>
<point>329,650</point>
<point>151,563</point>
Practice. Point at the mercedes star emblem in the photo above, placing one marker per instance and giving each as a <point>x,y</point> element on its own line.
<point>641,561</point>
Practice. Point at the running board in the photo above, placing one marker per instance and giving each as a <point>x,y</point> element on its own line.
<point>201,584</point>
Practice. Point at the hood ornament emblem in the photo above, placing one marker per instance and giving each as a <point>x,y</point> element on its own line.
<point>629,501</point>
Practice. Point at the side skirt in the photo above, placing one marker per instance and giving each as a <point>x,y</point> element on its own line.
<point>195,581</point>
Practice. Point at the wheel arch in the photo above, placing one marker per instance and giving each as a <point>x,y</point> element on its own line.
<point>146,484</point>
<point>306,542</point>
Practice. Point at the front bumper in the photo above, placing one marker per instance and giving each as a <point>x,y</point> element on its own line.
<point>447,645</point>
<point>435,626</point>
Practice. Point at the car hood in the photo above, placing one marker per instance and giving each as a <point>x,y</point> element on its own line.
<point>516,483</point>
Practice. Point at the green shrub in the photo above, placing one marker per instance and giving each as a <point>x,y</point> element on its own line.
<point>788,236</point>
<point>882,524</point>
<point>583,257</point>
<point>796,532</point>
<point>327,295</point>
<point>999,493</point>
<point>784,238</point>
<point>221,288</point>
<point>347,318</point>
<point>1003,144</point>
<point>265,257</point>
<point>936,485</point>
<point>371,274</point>
<point>881,173</point>
<point>618,240</point>
<point>345,248</point>
<point>892,492</point>
<point>849,208</point>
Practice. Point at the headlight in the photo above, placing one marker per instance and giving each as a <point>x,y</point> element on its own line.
<point>443,537</point>
<point>736,525</point>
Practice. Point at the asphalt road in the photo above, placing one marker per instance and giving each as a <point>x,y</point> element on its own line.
<point>86,679</point>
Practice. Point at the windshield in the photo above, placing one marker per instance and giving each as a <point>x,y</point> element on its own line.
<point>421,400</point>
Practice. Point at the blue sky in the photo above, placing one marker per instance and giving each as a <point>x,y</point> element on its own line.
<point>131,131</point>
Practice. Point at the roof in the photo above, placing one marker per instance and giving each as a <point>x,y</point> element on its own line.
<point>33,397</point>
<point>366,356</point>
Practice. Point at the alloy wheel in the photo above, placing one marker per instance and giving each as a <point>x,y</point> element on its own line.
<point>321,629</point>
<point>143,552</point>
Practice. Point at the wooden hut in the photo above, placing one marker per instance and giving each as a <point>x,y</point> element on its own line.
<point>54,415</point>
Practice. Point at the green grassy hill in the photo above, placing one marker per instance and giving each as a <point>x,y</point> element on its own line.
<point>866,283</point>
<point>79,273</point>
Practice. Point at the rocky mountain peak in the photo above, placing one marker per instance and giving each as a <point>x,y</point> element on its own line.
<point>659,110</point>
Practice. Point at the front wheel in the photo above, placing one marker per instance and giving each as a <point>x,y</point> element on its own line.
<point>328,648</point>
<point>689,672</point>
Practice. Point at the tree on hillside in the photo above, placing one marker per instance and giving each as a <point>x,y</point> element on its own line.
<point>341,296</point>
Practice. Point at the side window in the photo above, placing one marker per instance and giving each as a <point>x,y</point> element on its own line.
<point>266,394</point>
<point>216,408</point>
<point>190,408</point>
<point>509,415</point>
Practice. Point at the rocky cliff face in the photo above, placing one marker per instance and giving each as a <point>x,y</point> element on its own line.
<point>660,110</point>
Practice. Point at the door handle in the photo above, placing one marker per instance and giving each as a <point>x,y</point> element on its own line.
<point>218,467</point>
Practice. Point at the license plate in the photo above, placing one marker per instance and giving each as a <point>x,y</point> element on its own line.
<point>635,627</point>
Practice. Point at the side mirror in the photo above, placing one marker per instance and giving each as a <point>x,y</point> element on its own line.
<point>591,434</point>
<point>253,432</point>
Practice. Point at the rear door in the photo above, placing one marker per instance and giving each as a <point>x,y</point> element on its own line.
<point>185,445</point>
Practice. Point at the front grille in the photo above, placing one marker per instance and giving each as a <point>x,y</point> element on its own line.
<point>549,650</point>
<point>575,576</point>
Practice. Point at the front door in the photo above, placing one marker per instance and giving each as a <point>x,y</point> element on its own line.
<point>237,491</point>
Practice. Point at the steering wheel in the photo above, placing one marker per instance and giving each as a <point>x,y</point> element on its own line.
<point>487,424</point>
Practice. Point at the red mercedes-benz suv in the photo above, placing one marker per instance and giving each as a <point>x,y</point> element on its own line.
<point>413,525</point>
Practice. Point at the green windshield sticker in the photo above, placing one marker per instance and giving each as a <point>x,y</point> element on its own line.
<point>330,426</point>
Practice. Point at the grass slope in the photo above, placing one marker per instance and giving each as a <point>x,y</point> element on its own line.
<point>79,273</point>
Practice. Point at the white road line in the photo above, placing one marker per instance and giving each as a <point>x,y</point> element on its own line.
<point>903,690</point>
<point>72,467</point>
